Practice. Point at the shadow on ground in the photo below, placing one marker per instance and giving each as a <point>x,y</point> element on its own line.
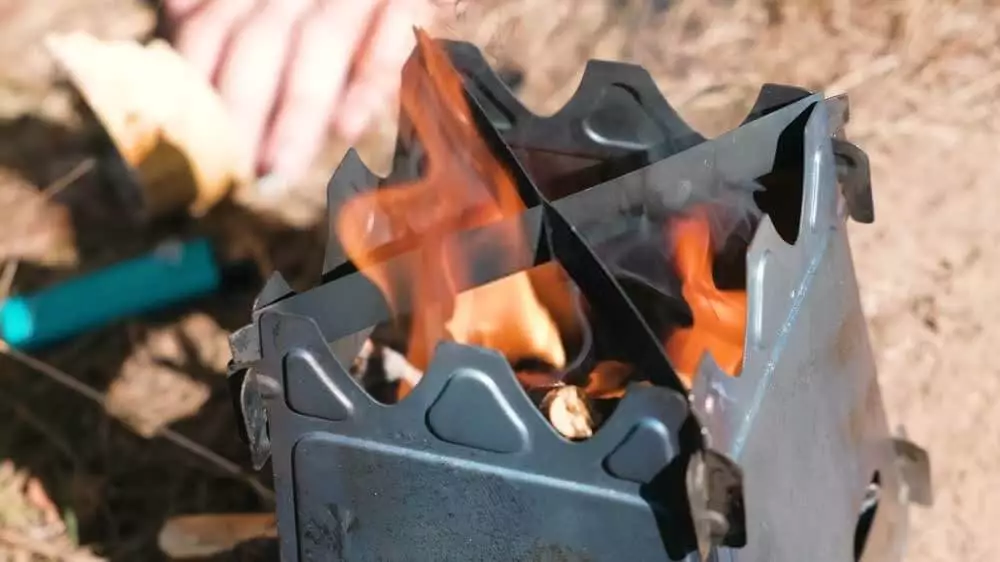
<point>117,486</point>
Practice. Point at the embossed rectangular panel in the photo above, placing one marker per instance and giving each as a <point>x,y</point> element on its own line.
<point>481,511</point>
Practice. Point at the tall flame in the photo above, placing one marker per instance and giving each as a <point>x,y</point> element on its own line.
<point>719,316</point>
<point>464,186</point>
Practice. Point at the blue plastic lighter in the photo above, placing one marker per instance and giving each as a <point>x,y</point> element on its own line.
<point>173,273</point>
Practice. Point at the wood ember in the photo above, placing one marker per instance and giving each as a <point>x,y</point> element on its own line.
<point>360,366</point>
<point>392,364</point>
<point>575,412</point>
<point>568,408</point>
<point>397,368</point>
<point>383,372</point>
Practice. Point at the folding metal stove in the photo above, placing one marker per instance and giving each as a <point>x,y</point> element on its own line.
<point>790,461</point>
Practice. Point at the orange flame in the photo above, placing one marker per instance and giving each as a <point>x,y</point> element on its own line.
<point>464,186</point>
<point>719,316</point>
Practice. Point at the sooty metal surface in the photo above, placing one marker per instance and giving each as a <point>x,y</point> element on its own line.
<point>780,464</point>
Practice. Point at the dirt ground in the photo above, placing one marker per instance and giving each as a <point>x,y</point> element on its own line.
<point>923,76</point>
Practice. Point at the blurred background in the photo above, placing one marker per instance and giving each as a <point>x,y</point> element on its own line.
<point>109,435</point>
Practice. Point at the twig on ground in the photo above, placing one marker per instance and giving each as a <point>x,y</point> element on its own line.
<point>7,278</point>
<point>94,395</point>
<point>977,89</point>
<point>858,76</point>
<point>43,428</point>
<point>69,178</point>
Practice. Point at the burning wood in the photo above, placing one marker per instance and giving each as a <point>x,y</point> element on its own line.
<point>397,368</point>
<point>568,408</point>
<point>359,368</point>
<point>575,412</point>
<point>384,372</point>
<point>393,364</point>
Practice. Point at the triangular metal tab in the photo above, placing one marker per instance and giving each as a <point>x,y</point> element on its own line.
<point>274,290</point>
<point>351,178</point>
<point>773,97</point>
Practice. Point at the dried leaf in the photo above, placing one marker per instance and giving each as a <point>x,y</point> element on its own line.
<point>149,397</point>
<point>193,536</point>
<point>37,497</point>
<point>34,228</point>
<point>30,521</point>
<point>150,394</point>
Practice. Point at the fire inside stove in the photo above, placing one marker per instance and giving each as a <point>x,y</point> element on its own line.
<point>580,337</point>
<point>564,354</point>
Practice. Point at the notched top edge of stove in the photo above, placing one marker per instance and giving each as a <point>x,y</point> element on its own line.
<point>353,414</point>
<point>771,125</point>
<point>528,128</point>
<point>597,78</point>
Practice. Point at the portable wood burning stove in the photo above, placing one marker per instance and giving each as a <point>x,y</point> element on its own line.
<point>757,436</point>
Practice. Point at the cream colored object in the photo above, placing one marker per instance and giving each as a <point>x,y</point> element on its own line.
<point>570,411</point>
<point>194,536</point>
<point>166,120</point>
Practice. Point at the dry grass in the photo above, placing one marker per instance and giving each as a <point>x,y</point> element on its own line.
<point>909,64</point>
<point>923,76</point>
